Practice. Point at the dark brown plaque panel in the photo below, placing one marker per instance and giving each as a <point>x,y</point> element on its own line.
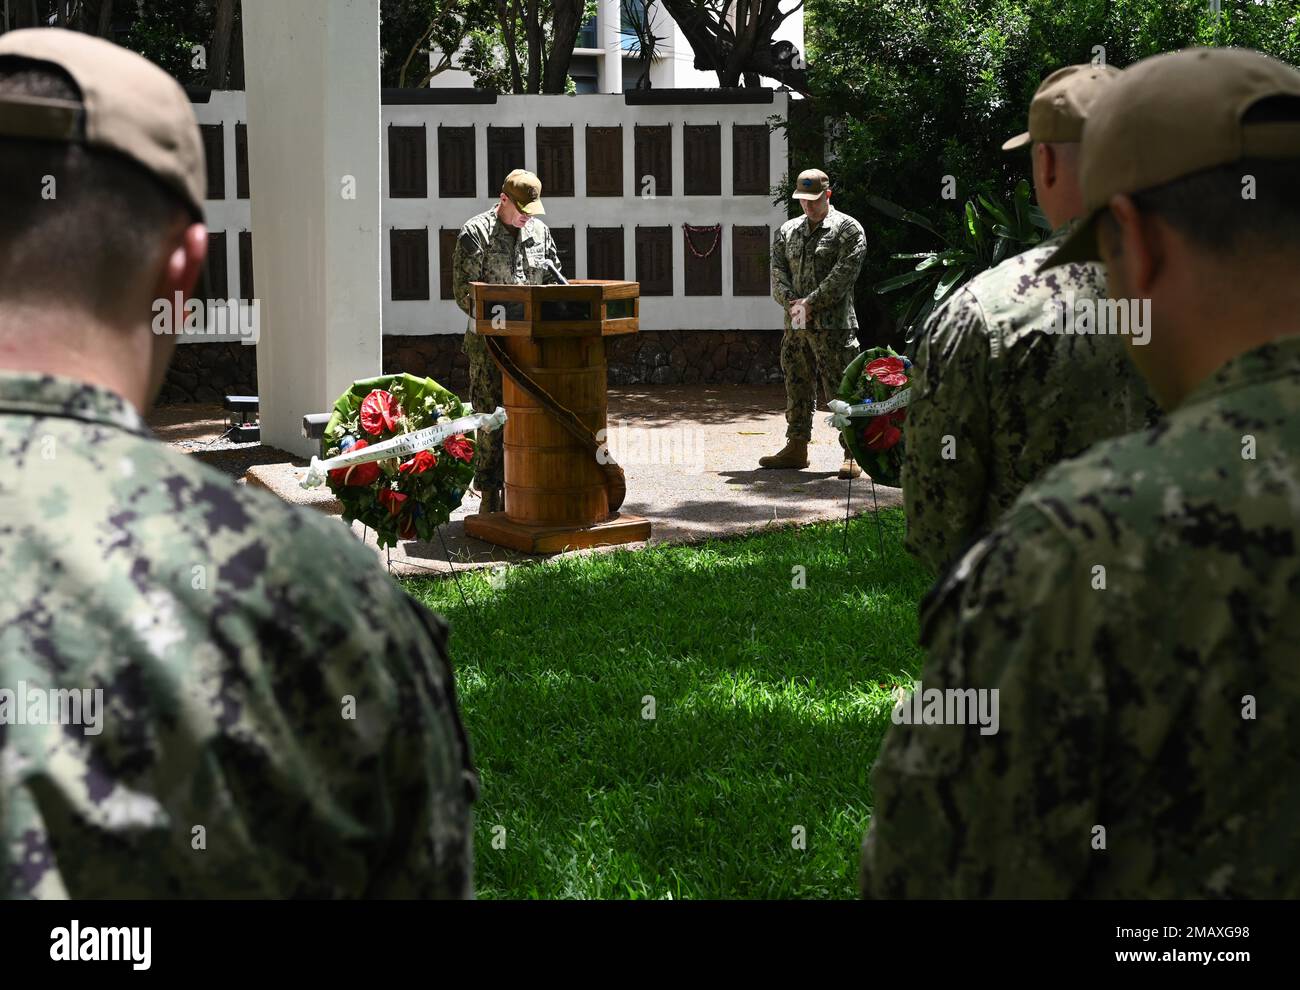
<point>566,246</point>
<point>703,275</point>
<point>653,151</point>
<point>456,162</point>
<point>555,160</point>
<point>604,161</point>
<point>605,252</point>
<point>702,159</point>
<point>241,161</point>
<point>246,265</point>
<point>749,159</point>
<point>408,172</point>
<point>654,260</point>
<point>214,152</point>
<point>409,253</point>
<point>750,254</point>
<point>446,253</point>
<point>505,153</point>
<point>215,284</point>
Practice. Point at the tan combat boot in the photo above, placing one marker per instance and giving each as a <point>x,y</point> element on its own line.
<point>849,469</point>
<point>793,455</point>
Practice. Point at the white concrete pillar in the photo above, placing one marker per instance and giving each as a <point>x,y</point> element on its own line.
<point>611,64</point>
<point>312,72</point>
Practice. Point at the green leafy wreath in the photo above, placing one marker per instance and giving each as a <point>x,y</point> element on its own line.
<point>876,442</point>
<point>398,499</point>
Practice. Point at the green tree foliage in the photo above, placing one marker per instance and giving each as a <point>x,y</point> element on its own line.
<point>420,38</point>
<point>916,90</point>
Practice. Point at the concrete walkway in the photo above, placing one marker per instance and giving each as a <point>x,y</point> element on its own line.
<point>690,453</point>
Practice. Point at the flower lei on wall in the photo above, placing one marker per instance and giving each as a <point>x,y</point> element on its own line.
<point>870,411</point>
<point>398,498</point>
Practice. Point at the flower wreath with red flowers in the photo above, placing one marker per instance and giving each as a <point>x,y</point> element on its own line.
<point>399,499</point>
<point>877,378</point>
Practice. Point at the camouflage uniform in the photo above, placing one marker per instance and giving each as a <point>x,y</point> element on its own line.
<point>1014,397</point>
<point>1121,707</point>
<point>821,266</point>
<point>225,629</point>
<point>488,250</point>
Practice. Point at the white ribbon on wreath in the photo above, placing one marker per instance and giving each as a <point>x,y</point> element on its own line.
<point>403,446</point>
<point>842,412</point>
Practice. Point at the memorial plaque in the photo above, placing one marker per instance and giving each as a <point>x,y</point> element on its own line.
<point>555,160</point>
<point>215,284</point>
<point>703,250</point>
<point>456,162</point>
<point>702,159</point>
<point>749,159</point>
<point>605,252</point>
<point>241,161</point>
<point>409,263</point>
<point>654,260</point>
<point>653,151</point>
<point>750,257</point>
<point>407,163</point>
<point>566,245</point>
<point>214,153</point>
<point>505,153</point>
<point>246,265</point>
<point>446,253</point>
<point>604,161</point>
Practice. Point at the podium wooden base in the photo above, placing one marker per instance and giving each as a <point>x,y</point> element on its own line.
<point>494,527</point>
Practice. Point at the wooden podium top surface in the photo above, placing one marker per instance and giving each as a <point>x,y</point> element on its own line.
<point>584,307</point>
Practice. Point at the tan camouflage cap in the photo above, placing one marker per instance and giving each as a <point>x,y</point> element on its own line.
<point>1173,115</point>
<point>1060,105</point>
<point>128,105</point>
<point>812,182</point>
<point>525,191</point>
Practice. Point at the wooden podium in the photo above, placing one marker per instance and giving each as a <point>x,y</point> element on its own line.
<point>557,495</point>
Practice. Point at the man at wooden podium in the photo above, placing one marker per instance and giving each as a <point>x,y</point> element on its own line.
<point>506,245</point>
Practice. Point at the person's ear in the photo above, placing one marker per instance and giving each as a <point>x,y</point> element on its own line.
<point>1045,164</point>
<point>183,262</point>
<point>1135,246</point>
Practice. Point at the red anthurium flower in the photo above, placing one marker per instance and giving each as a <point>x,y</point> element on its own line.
<point>359,475</point>
<point>408,528</point>
<point>881,434</point>
<point>391,500</point>
<point>379,412</point>
<point>458,446</point>
<point>887,371</point>
<point>421,462</point>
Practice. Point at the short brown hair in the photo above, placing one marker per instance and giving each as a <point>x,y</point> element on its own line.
<point>79,221</point>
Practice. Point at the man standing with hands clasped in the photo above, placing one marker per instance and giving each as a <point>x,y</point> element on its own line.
<point>815,262</point>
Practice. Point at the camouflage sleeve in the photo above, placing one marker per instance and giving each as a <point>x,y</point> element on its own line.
<point>782,279</point>
<point>960,811</point>
<point>432,783</point>
<point>466,267</point>
<point>947,447</point>
<point>844,273</point>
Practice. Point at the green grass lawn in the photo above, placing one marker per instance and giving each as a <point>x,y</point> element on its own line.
<point>769,707</point>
